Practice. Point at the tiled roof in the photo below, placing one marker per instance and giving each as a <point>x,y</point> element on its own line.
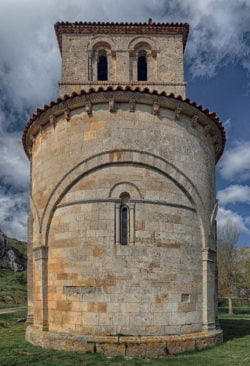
<point>149,27</point>
<point>211,115</point>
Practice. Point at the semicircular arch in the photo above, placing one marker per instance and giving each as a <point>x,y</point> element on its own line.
<point>120,186</point>
<point>101,41</point>
<point>139,41</point>
<point>120,157</point>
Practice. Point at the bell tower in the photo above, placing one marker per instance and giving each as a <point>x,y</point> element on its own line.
<point>125,54</point>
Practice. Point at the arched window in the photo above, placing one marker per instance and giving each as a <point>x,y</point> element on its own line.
<point>124,219</point>
<point>124,225</point>
<point>142,67</point>
<point>102,66</point>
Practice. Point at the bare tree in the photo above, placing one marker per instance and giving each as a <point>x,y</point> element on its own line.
<point>228,266</point>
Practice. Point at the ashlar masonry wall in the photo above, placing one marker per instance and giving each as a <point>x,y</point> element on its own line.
<point>166,241</point>
<point>164,60</point>
<point>151,286</point>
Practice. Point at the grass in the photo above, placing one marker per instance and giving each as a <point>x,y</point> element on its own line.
<point>6,306</point>
<point>15,351</point>
<point>13,287</point>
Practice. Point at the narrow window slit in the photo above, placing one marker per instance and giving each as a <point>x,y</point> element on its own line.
<point>124,225</point>
<point>142,68</point>
<point>102,68</point>
<point>124,218</point>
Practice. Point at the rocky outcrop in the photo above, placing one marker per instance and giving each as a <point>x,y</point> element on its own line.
<point>11,257</point>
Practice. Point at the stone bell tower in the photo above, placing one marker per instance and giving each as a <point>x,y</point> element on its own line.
<point>155,47</point>
<point>122,252</point>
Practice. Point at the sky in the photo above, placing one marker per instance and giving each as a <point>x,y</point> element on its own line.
<point>217,70</point>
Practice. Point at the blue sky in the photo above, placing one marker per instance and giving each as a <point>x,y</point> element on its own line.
<point>217,69</point>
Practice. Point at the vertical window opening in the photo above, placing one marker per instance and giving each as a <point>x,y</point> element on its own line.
<point>142,68</point>
<point>124,225</point>
<point>102,67</point>
<point>124,219</point>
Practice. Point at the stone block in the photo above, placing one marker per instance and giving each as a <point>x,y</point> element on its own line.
<point>111,349</point>
<point>146,350</point>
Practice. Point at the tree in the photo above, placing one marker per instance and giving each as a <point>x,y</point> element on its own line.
<point>229,276</point>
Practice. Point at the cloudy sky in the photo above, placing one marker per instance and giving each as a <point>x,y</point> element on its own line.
<point>217,69</point>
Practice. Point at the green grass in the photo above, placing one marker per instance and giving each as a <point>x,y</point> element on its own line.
<point>6,306</point>
<point>13,287</point>
<point>16,351</point>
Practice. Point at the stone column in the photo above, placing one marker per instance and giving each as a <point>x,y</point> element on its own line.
<point>208,258</point>
<point>41,287</point>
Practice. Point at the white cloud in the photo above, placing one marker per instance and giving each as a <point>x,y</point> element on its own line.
<point>234,193</point>
<point>235,163</point>
<point>14,165</point>
<point>13,214</point>
<point>225,215</point>
<point>30,63</point>
<point>217,36</point>
<point>30,67</point>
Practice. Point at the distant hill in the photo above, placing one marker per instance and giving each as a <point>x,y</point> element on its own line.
<point>13,253</point>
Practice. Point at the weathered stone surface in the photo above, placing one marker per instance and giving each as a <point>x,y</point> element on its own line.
<point>122,243</point>
<point>147,346</point>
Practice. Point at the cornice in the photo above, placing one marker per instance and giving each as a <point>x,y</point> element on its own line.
<point>211,124</point>
<point>149,27</point>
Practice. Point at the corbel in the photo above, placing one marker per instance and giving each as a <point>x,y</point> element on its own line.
<point>131,105</point>
<point>32,139</point>
<point>29,148</point>
<point>67,114</point>
<point>156,107</point>
<point>216,147</point>
<point>88,107</point>
<point>112,105</point>
<point>52,120</point>
<point>113,53</point>
<point>177,113</point>
<point>194,121</point>
<point>206,130</point>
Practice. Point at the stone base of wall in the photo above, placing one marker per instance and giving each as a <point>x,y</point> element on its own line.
<point>129,346</point>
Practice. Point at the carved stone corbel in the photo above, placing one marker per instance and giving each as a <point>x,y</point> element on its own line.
<point>194,121</point>
<point>112,105</point>
<point>32,139</point>
<point>41,129</point>
<point>156,107</point>
<point>67,114</point>
<point>216,147</point>
<point>88,107</point>
<point>206,130</point>
<point>29,148</point>
<point>131,105</point>
<point>52,120</point>
<point>177,113</point>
